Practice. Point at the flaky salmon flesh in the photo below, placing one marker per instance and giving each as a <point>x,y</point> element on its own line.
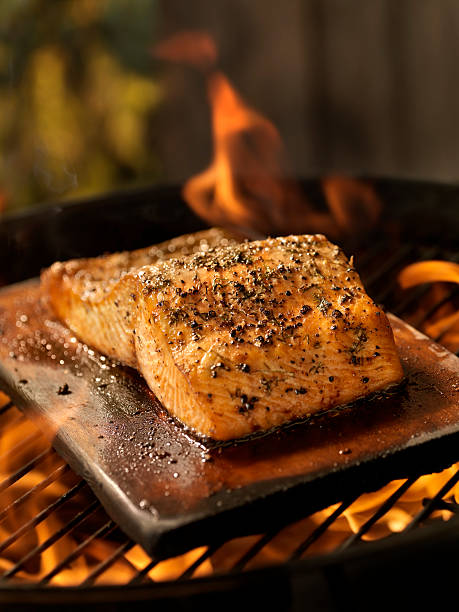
<point>236,338</point>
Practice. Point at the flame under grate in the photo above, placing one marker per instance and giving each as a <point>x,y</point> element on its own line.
<point>53,531</point>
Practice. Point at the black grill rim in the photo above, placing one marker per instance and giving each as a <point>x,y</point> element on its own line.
<point>87,227</point>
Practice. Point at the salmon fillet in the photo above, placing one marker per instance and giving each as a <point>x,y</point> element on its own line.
<point>242,338</point>
<point>94,296</point>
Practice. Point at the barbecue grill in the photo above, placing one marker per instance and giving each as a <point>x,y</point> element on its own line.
<point>225,572</point>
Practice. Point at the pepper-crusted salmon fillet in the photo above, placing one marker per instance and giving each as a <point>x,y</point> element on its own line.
<point>240,338</point>
<point>96,296</point>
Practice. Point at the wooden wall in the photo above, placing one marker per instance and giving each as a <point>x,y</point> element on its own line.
<point>354,86</point>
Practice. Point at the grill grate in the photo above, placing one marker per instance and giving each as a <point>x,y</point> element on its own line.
<point>87,542</point>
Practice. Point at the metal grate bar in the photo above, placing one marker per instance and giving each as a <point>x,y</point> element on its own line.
<point>194,566</point>
<point>322,528</point>
<point>6,407</point>
<point>42,515</point>
<point>25,469</point>
<point>104,565</point>
<point>451,295</point>
<point>442,504</point>
<point>440,336</point>
<point>389,264</point>
<point>21,445</point>
<point>414,296</point>
<point>388,290</point>
<point>365,260</point>
<point>101,532</point>
<point>38,487</point>
<point>431,506</point>
<point>385,293</point>
<point>390,273</point>
<point>52,539</point>
<point>255,549</point>
<point>142,574</point>
<point>381,511</point>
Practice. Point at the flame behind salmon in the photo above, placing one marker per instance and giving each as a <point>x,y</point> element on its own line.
<point>241,338</point>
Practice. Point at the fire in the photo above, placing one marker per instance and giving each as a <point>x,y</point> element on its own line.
<point>20,504</point>
<point>14,453</point>
<point>243,187</point>
<point>355,206</point>
<point>444,325</point>
<point>285,543</point>
<point>248,184</point>
<point>429,272</point>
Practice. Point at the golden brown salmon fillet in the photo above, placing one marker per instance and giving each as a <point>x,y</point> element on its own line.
<point>94,296</point>
<point>243,338</point>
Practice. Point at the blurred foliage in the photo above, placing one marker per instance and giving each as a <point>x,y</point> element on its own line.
<point>77,97</point>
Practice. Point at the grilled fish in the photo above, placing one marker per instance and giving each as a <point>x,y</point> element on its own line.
<point>241,338</point>
<point>93,296</point>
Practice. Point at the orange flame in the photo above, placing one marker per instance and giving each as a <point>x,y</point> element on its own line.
<point>349,522</point>
<point>248,184</point>
<point>243,186</point>
<point>354,204</point>
<point>429,272</point>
